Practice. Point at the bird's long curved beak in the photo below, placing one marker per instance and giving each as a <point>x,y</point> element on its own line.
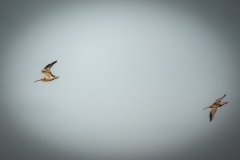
<point>205,108</point>
<point>37,80</point>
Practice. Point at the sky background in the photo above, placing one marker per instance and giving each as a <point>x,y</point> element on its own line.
<point>134,78</point>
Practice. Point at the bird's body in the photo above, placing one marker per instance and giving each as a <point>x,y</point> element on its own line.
<point>48,75</point>
<point>214,106</point>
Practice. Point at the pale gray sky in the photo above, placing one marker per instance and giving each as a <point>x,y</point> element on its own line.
<point>134,78</point>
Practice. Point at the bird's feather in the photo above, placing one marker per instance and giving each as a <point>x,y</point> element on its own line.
<point>47,70</point>
<point>219,99</point>
<point>212,113</point>
<point>50,65</point>
<point>222,103</point>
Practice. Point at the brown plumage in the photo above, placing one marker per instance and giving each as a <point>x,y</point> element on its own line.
<point>48,75</point>
<point>214,106</point>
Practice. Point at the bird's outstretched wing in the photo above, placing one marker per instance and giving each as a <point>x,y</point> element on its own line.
<point>222,103</point>
<point>212,113</point>
<point>50,65</point>
<point>47,70</point>
<point>220,99</point>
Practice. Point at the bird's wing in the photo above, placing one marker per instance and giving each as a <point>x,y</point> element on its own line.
<point>219,99</point>
<point>50,65</point>
<point>222,103</point>
<point>46,70</point>
<point>212,112</point>
<point>47,74</point>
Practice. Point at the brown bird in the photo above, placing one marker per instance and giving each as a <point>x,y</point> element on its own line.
<point>214,106</point>
<point>48,75</point>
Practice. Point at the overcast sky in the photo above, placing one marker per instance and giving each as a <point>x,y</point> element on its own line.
<point>134,78</point>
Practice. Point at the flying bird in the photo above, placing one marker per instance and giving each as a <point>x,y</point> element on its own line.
<point>48,75</point>
<point>214,106</point>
